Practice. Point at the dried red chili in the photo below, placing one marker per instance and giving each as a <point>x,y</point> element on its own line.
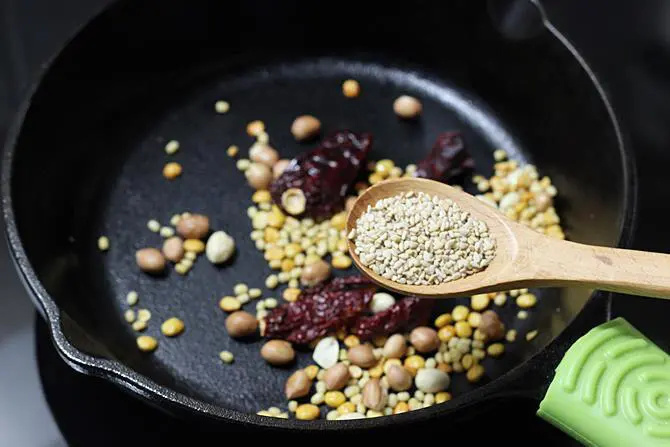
<point>447,159</point>
<point>326,173</point>
<point>343,303</point>
<point>321,310</point>
<point>403,315</point>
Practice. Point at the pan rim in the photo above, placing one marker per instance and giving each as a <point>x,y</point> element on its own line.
<point>141,385</point>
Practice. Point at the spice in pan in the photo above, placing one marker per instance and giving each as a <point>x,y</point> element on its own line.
<point>172,147</point>
<point>103,243</point>
<point>417,239</point>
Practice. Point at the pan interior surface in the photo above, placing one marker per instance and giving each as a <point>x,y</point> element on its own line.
<point>105,178</point>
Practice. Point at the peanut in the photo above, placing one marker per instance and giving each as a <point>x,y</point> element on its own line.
<point>399,378</point>
<point>241,324</point>
<point>305,127</point>
<point>395,347</point>
<point>278,352</point>
<point>150,260</point>
<point>362,355</point>
<point>337,376</point>
<point>195,226</point>
<point>407,107</point>
<point>264,154</point>
<point>258,176</point>
<point>173,249</point>
<point>424,339</point>
<point>314,273</point>
<point>297,385</point>
<point>374,395</point>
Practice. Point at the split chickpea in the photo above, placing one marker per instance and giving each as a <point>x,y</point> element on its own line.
<point>172,170</point>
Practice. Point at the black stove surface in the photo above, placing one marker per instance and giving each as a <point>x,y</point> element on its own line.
<point>627,44</point>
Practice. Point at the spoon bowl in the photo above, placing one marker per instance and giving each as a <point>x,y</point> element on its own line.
<point>523,256</point>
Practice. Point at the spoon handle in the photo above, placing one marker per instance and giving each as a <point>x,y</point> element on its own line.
<point>564,263</point>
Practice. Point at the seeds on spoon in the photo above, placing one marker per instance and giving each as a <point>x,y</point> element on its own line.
<point>417,239</point>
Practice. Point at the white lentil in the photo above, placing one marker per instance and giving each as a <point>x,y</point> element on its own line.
<point>360,408</point>
<point>427,241</point>
<point>103,243</point>
<point>132,298</point>
<point>392,400</point>
<point>172,147</point>
<point>144,315</point>
<point>255,293</point>
<point>283,277</point>
<point>388,411</point>
<point>317,398</point>
<point>221,106</point>
<point>292,405</point>
<point>356,399</point>
<point>243,164</point>
<point>293,283</point>
<point>355,371</point>
<point>243,299</point>
<point>531,335</point>
<point>226,356</point>
<point>174,220</point>
<point>431,363</point>
<point>154,225</point>
<point>240,288</point>
<point>190,255</point>
<point>522,315</point>
<point>260,305</point>
<point>271,281</point>
<point>321,387</point>
<point>500,299</point>
<point>332,415</point>
<point>419,395</point>
<point>167,232</point>
<point>351,391</point>
<point>403,396</point>
<point>414,404</point>
<point>129,315</point>
<point>429,399</point>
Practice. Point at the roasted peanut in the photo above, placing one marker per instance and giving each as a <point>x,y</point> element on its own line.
<point>337,376</point>
<point>258,176</point>
<point>395,347</point>
<point>305,127</point>
<point>264,154</point>
<point>314,273</point>
<point>399,378</point>
<point>297,385</point>
<point>241,324</point>
<point>195,226</point>
<point>424,339</point>
<point>150,260</point>
<point>362,355</point>
<point>173,249</point>
<point>278,352</point>
<point>407,107</point>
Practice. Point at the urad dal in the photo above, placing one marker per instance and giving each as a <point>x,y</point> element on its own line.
<point>417,239</point>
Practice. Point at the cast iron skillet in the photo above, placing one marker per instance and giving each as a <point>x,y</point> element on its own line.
<point>86,154</point>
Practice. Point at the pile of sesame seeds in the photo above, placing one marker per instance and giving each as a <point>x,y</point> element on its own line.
<point>418,239</point>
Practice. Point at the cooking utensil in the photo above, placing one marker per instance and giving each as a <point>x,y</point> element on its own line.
<point>611,389</point>
<point>524,258</point>
<point>85,155</point>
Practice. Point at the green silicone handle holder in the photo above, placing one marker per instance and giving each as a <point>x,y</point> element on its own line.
<point>612,388</point>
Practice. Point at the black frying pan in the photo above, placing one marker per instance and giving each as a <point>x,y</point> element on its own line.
<point>85,159</point>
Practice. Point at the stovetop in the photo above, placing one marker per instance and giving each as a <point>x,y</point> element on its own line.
<point>44,403</point>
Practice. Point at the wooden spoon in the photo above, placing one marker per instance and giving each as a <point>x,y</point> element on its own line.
<point>524,257</point>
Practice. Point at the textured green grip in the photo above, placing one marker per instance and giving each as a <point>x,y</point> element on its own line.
<point>612,388</point>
